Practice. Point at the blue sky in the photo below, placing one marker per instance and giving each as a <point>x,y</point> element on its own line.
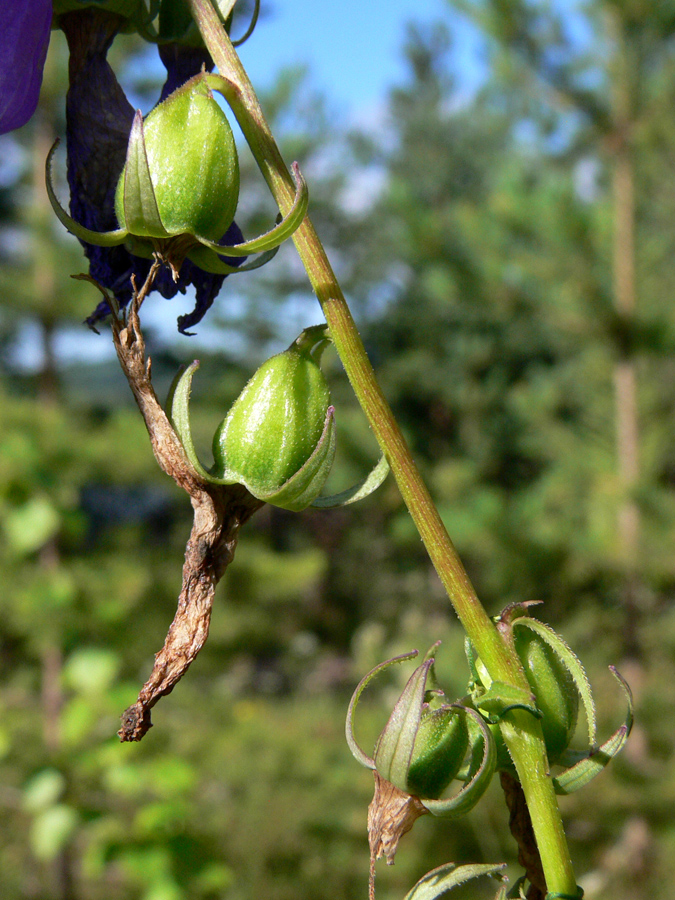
<point>353,47</point>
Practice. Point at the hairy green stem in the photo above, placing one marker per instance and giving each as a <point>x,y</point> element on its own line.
<point>522,732</point>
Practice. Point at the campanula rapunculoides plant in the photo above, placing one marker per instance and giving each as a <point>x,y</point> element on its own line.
<point>153,200</point>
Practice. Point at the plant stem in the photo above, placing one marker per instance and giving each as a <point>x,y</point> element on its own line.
<point>522,732</point>
<point>352,353</point>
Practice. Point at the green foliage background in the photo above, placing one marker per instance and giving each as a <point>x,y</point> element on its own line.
<point>481,272</point>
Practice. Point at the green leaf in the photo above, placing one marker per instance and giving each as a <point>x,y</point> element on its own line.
<point>446,877</point>
<point>29,526</point>
<point>43,790</point>
<point>52,830</point>
<point>91,670</point>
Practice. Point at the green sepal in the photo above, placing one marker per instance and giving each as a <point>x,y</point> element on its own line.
<point>178,411</point>
<point>441,743</point>
<point>573,665</point>
<point>517,891</point>
<point>472,659</point>
<point>275,236</point>
<point>224,9</point>
<point>176,24</point>
<point>593,762</point>
<point>501,697</point>
<point>209,262</point>
<point>481,769</point>
<point>141,213</point>
<point>133,10</point>
<point>357,752</point>
<point>358,491</point>
<point>99,238</point>
<point>396,743</point>
<point>148,31</point>
<point>432,681</point>
<point>448,876</point>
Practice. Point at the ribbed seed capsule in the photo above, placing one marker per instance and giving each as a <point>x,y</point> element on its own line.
<point>280,428</point>
<point>552,685</point>
<point>440,747</point>
<point>548,666</point>
<point>182,170</point>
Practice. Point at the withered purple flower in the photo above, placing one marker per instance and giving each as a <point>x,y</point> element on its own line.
<point>24,39</point>
<point>98,121</point>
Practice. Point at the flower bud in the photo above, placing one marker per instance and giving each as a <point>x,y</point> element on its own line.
<point>278,437</point>
<point>421,750</point>
<point>182,171</point>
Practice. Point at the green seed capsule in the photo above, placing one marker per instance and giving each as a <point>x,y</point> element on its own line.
<point>552,685</point>
<point>182,170</point>
<point>278,437</point>
<point>423,745</point>
<point>555,691</point>
<point>440,747</point>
